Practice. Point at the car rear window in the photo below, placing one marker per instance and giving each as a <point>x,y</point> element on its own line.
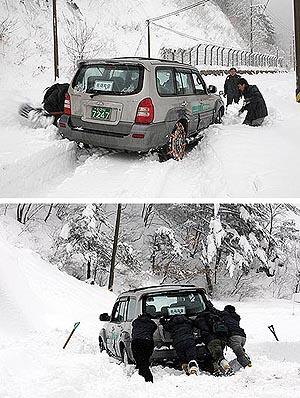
<point>108,79</point>
<point>168,304</point>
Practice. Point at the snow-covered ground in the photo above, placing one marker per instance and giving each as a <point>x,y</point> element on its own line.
<point>39,305</point>
<point>233,160</point>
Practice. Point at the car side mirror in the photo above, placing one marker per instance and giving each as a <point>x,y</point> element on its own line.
<point>212,89</point>
<point>104,317</point>
<point>221,93</point>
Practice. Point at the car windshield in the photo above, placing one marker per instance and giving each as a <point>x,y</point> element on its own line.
<point>108,79</point>
<point>168,304</point>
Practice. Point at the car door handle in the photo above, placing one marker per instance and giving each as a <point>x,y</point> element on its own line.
<point>184,103</point>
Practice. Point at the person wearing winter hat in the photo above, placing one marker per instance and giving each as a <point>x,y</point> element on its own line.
<point>236,335</point>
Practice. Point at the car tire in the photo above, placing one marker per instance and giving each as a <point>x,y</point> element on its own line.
<point>125,357</point>
<point>101,345</point>
<point>175,148</point>
<point>218,116</point>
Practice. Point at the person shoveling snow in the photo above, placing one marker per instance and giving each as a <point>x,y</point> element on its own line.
<point>254,104</point>
<point>53,107</point>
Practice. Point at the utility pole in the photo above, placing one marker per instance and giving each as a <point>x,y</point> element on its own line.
<point>55,41</point>
<point>297,46</point>
<point>114,252</point>
<point>251,26</point>
<point>149,39</point>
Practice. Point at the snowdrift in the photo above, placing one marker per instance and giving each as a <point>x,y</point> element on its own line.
<point>35,296</point>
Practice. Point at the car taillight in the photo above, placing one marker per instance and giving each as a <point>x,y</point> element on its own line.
<point>67,104</point>
<point>145,112</point>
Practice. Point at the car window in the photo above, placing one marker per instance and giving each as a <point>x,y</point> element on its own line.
<point>109,79</point>
<point>165,82</point>
<point>119,311</point>
<point>184,83</point>
<point>167,304</point>
<point>131,309</point>
<point>199,84</point>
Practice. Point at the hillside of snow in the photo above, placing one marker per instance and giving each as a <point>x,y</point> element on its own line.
<point>109,27</point>
<point>39,306</point>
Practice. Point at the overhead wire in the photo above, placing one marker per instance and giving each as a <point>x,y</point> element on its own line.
<point>176,12</point>
<point>194,37</point>
<point>278,21</point>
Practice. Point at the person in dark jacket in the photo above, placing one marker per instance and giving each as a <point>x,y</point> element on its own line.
<point>214,335</point>
<point>231,90</point>
<point>142,344</point>
<point>254,104</point>
<point>181,329</point>
<point>236,335</point>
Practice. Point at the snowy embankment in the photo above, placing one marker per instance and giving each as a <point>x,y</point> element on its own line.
<point>39,305</point>
<point>232,160</point>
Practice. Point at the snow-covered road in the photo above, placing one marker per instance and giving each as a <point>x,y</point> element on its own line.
<point>233,160</point>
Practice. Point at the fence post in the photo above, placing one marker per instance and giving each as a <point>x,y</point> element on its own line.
<point>205,55</point>
<point>218,48</point>
<point>233,56</point>
<point>190,56</point>
<point>197,54</point>
<point>222,55</point>
<point>228,60</point>
<point>211,54</point>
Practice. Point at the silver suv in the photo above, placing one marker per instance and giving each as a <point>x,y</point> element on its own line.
<point>158,301</point>
<point>137,104</point>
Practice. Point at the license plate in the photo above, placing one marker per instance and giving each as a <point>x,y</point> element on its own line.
<point>101,113</point>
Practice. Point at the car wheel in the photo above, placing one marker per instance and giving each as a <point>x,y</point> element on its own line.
<point>177,142</point>
<point>101,345</point>
<point>219,115</point>
<point>125,357</point>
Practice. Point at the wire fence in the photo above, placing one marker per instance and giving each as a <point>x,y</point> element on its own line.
<point>212,56</point>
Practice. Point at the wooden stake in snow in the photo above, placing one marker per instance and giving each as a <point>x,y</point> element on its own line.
<point>272,330</point>
<point>71,334</point>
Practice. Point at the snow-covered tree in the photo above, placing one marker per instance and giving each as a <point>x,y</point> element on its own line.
<point>84,244</point>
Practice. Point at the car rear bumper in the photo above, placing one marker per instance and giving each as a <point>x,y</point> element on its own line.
<point>169,354</point>
<point>124,136</point>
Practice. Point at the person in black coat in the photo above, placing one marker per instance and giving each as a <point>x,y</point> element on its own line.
<point>181,329</point>
<point>231,90</point>
<point>214,335</point>
<point>254,104</point>
<point>142,344</point>
<point>236,335</point>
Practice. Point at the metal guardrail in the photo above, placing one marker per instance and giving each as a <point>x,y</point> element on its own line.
<point>211,56</point>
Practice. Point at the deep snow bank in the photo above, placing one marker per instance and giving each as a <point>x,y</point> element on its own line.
<point>35,296</point>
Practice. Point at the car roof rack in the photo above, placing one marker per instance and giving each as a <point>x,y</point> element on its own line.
<point>158,286</point>
<point>149,59</point>
<point>94,60</point>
